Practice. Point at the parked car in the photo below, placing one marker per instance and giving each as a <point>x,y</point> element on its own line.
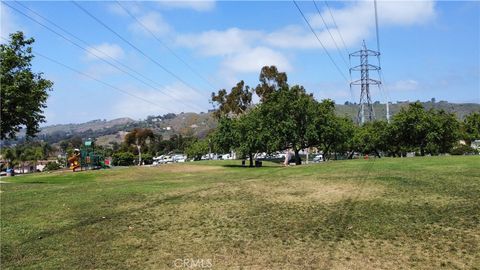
<point>318,158</point>
<point>179,158</point>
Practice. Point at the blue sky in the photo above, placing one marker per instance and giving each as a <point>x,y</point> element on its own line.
<point>429,49</point>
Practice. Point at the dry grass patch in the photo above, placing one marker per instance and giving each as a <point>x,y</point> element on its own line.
<point>298,191</point>
<point>187,168</point>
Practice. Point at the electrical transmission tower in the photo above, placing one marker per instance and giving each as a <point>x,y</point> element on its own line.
<point>365,111</point>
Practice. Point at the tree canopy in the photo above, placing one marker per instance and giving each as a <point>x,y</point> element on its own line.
<point>24,93</point>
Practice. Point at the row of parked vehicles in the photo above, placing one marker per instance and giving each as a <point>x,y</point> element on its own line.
<point>175,158</point>
<point>165,159</point>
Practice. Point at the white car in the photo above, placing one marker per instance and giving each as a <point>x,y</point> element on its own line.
<point>179,158</point>
<point>318,158</point>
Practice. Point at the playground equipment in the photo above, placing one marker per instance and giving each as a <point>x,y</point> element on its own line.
<point>74,160</point>
<point>86,158</point>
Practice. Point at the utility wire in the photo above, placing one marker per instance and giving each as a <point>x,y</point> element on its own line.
<point>98,80</point>
<point>135,47</point>
<point>319,41</point>
<point>380,71</point>
<point>86,44</point>
<point>336,27</point>
<point>91,77</point>
<point>165,45</point>
<point>330,33</point>
<point>376,25</point>
<point>90,51</point>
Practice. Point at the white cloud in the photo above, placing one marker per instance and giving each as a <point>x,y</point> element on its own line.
<point>220,43</point>
<point>240,50</point>
<point>355,22</point>
<point>105,51</point>
<point>179,99</point>
<point>153,21</point>
<point>197,5</point>
<point>254,59</point>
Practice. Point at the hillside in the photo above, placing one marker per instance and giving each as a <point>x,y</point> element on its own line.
<point>193,124</point>
<point>460,109</point>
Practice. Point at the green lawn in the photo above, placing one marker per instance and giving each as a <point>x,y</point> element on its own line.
<point>421,213</point>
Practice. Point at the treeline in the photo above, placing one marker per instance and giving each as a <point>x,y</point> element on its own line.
<point>288,117</point>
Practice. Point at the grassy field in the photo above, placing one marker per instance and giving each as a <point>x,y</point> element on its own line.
<point>410,213</point>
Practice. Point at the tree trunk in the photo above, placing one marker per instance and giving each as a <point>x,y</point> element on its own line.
<point>250,155</point>
<point>326,154</point>
<point>297,157</point>
<point>139,155</point>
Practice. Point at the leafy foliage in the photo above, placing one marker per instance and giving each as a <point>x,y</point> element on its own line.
<point>24,93</point>
<point>52,166</point>
<point>197,149</point>
<point>471,127</point>
<point>234,103</point>
<point>123,159</point>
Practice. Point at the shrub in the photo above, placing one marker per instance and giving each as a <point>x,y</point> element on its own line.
<point>147,159</point>
<point>52,166</point>
<point>463,150</point>
<point>123,159</point>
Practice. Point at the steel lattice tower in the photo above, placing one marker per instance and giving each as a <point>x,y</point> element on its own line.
<point>365,111</point>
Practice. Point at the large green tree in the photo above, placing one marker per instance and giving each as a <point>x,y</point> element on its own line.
<point>444,132</point>
<point>24,93</point>
<point>372,137</point>
<point>289,116</point>
<point>413,126</point>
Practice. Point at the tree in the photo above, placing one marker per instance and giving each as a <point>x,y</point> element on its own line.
<point>123,159</point>
<point>139,137</point>
<point>225,136</point>
<point>471,127</point>
<point>75,142</point>
<point>24,93</point>
<point>289,115</point>
<point>251,136</point>
<point>10,156</point>
<point>333,133</point>
<point>270,81</point>
<point>371,138</point>
<point>413,126</point>
<point>234,103</point>
<point>443,133</point>
<point>197,149</point>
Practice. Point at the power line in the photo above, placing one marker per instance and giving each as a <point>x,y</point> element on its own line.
<point>165,45</point>
<point>330,33</point>
<point>380,71</point>
<point>376,25</point>
<point>133,46</point>
<point>98,80</point>
<point>90,51</point>
<point>336,26</point>
<point>319,41</point>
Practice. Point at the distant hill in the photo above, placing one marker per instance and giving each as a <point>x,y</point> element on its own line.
<point>460,109</point>
<point>194,124</point>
